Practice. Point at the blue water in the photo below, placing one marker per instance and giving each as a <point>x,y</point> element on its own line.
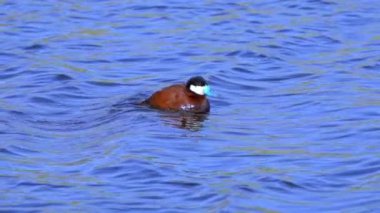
<point>294,127</point>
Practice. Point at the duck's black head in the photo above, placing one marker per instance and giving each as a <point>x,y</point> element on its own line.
<point>198,85</point>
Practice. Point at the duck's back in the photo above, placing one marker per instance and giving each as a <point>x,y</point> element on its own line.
<point>175,97</point>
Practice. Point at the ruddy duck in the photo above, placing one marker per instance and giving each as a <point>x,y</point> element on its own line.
<point>190,97</point>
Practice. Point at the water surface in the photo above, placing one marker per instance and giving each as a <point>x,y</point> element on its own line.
<point>295,125</point>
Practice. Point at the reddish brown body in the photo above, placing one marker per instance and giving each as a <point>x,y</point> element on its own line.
<point>178,98</point>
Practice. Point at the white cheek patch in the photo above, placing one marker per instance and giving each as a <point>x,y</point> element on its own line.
<point>200,90</point>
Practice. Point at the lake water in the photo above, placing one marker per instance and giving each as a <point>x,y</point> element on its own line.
<point>294,125</point>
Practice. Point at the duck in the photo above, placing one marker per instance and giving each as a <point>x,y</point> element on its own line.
<point>189,97</point>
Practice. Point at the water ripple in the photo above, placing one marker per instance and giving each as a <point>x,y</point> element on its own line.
<point>294,121</point>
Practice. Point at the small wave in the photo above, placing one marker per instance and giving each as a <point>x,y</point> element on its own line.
<point>35,47</point>
<point>286,77</point>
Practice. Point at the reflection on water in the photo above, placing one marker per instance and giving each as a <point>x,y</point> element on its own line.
<point>184,120</point>
<point>294,128</point>
<point>181,119</point>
